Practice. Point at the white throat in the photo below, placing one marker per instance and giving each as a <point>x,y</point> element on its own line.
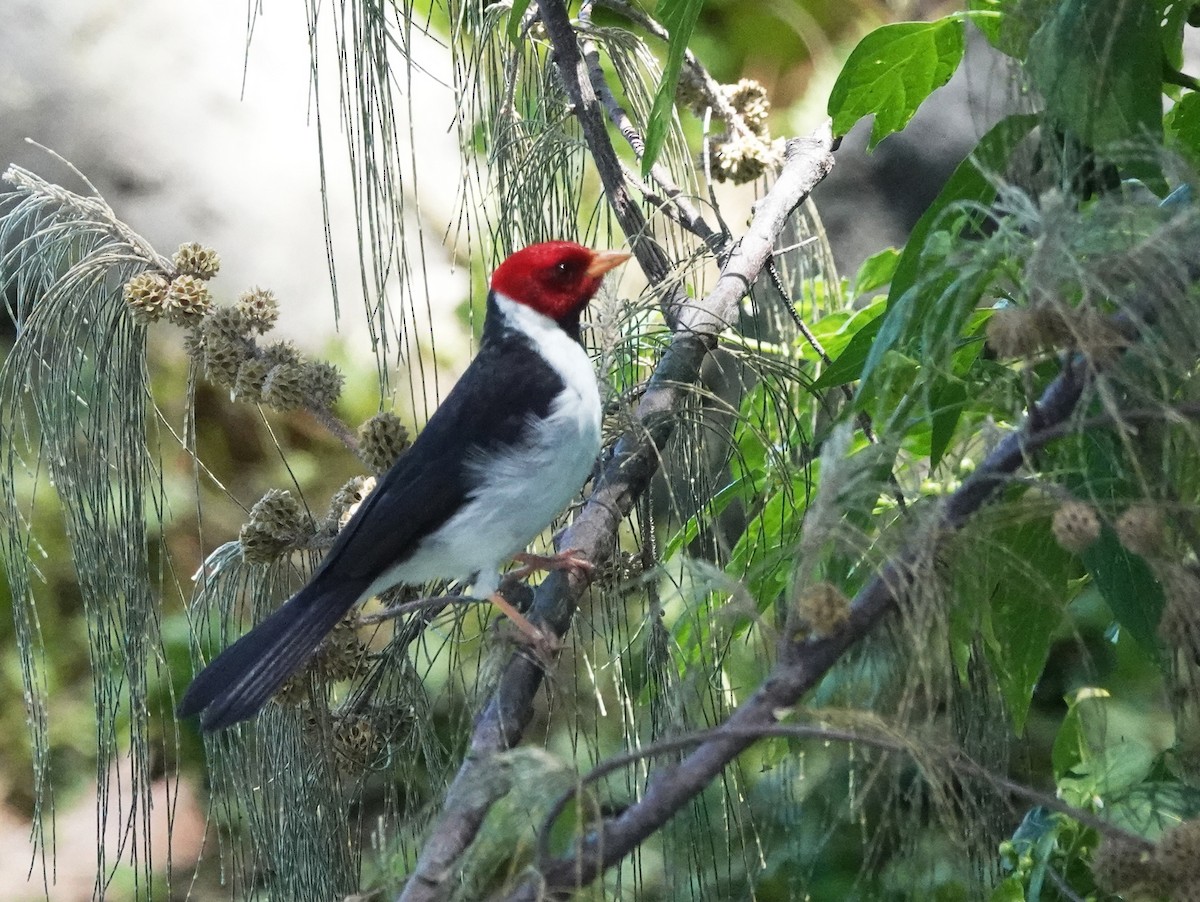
<point>557,348</point>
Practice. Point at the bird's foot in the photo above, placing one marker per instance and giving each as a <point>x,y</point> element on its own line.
<point>544,643</point>
<point>571,560</point>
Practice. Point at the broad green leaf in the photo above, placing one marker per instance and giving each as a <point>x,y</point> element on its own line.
<point>1009,25</point>
<point>848,365</point>
<point>876,271</point>
<point>969,182</point>
<point>893,326</point>
<point>989,17</point>
<point>679,18</point>
<point>1128,586</point>
<point>1125,580</point>
<point>1109,771</point>
<point>1099,68</point>
<point>1182,125</point>
<point>836,330</point>
<point>1173,15</point>
<point>1021,581</point>
<point>1009,890</point>
<point>515,15</point>
<point>948,400</point>
<point>891,72</point>
<point>1070,745</point>
<point>926,325</point>
<point>1152,808</point>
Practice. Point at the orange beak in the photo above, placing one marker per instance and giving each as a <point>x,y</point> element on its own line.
<point>603,261</point>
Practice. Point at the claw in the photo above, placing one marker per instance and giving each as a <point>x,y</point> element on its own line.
<point>570,560</point>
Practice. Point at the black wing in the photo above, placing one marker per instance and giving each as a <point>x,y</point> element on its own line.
<point>489,408</point>
<point>486,410</point>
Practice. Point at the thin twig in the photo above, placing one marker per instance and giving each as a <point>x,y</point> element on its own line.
<point>336,426</point>
<point>688,216</point>
<point>710,87</point>
<point>578,86</point>
<point>421,604</point>
<point>954,759</point>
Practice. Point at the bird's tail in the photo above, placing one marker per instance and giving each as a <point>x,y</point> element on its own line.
<point>238,682</point>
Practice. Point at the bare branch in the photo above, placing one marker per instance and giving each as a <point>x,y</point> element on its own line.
<point>695,69</point>
<point>687,215</point>
<point>953,759</point>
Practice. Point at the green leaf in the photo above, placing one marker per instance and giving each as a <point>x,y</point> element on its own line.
<point>1173,15</point>
<point>1128,587</point>
<point>1070,745</point>
<point>679,18</point>
<point>875,272</point>
<point>836,330</point>
<point>1109,771</point>
<point>935,311</point>
<point>948,400</point>
<point>1099,67</point>
<point>1024,581</point>
<point>848,365</point>
<point>1182,125</point>
<point>515,15</point>
<point>1009,32</point>
<point>894,327</point>
<point>892,71</point>
<point>1125,580</point>
<point>1009,890</point>
<point>760,557</point>
<point>970,182</point>
<point>690,531</point>
<point>1154,807</point>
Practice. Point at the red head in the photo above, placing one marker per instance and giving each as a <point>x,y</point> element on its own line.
<point>556,278</point>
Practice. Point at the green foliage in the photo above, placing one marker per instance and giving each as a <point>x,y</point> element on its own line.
<point>1098,67</point>
<point>1011,591</point>
<point>806,457</point>
<point>679,18</point>
<point>1182,126</point>
<point>514,19</point>
<point>909,306</point>
<point>892,71</point>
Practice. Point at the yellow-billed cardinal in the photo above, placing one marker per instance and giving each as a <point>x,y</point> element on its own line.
<point>499,459</point>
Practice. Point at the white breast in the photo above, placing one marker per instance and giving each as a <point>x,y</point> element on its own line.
<point>522,489</point>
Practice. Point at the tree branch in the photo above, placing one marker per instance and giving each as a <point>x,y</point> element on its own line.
<point>953,759</point>
<point>687,215</point>
<point>625,476</point>
<point>802,665</point>
<point>573,69</point>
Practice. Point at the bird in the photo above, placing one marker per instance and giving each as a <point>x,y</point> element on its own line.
<point>506,451</point>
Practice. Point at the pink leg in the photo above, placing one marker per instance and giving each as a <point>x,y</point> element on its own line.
<point>520,620</point>
<point>570,559</point>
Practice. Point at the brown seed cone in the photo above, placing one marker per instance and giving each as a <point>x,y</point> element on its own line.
<point>1076,526</point>
<point>146,296</point>
<point>193,259</point>
<point>381,441</point>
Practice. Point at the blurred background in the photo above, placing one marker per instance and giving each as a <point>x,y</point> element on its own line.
<point>196,123</point>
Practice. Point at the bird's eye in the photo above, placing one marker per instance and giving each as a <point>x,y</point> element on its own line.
<point>563,267</point>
